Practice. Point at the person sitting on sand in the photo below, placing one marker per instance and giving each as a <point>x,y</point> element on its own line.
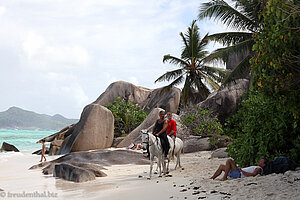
<point>233,171</point>
<point>43,151</point>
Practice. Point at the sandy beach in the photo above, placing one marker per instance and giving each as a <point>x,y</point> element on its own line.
<point>130,182</point>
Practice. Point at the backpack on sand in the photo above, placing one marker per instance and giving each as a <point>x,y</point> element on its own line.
<point>279,165</point>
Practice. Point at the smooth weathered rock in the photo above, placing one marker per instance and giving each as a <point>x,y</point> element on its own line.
<point>89,162</point>
<point>219,153</point>
<point>95,130</point>
<point>72,173</point>
<point>39,152</point>
<point>117,141</point>
<point>57,142</point>
<point>145,98</point>
<point>54,146</point>
<point>8,147</point>
<point>94,168</point>
<point>226,101</point>
<point>195,144</point>
<point>42,164</point>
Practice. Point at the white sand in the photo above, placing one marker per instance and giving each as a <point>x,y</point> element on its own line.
<point>130,182</point>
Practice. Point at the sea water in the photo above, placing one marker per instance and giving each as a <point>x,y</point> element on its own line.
<point>24,140</point>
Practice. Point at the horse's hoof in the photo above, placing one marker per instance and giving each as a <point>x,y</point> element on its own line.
<point>155,172</point>
<point>167,172</point>
<point>159,176</point>
<point>148,178</point>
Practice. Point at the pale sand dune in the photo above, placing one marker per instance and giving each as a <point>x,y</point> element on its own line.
<point>130,182</point>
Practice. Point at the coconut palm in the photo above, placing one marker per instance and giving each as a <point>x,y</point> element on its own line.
<point>242,17</point>
<point>193,72</point>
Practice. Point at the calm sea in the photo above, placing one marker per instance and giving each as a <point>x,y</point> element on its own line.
<point>24,140</point>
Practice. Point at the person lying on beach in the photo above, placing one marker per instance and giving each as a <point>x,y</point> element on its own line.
<point>137,146</point>
<point>232,171</point>
<point>43,150</point>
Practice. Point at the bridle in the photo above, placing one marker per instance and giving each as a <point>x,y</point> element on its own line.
<point>147,142</point>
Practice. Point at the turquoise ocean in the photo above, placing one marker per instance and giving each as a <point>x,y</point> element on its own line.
<point>24,140</point>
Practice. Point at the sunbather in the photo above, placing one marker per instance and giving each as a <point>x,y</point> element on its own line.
<point>233,171</point>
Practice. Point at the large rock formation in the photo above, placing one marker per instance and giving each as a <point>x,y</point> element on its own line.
<point>95,130</point>
<point>86,166</point>
<point>225,102</point>
<point>8,147</point>
<point>146,99</point>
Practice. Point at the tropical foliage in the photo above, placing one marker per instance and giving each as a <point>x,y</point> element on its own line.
<point>243,18</point>
<point>127,116</point>
<point>200,121</point>
<point>193,72</point>
<point>268,123</point>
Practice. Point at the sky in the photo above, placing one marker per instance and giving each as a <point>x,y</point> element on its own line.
<point>57,56</point>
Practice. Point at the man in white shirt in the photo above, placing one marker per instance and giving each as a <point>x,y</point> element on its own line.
<point>233,171</point>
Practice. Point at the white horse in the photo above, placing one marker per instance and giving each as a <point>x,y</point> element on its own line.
<point>177,151</point>
<point>155,149</point>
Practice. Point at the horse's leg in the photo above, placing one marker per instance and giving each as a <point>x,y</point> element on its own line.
<point>159,164</point>
<point>151,165</point>
<point>177,159</point>
<point>156,168</point>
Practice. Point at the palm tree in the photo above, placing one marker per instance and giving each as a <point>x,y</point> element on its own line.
<point>192,70</point>
<point>243,18</point>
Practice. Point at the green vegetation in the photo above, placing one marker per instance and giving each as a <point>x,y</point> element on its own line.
<point>242,17</point>
<point>201,122</point>
<point>192,69</point>
<point>262,128</point>
<point>268,123</point>
<point>127,116</point>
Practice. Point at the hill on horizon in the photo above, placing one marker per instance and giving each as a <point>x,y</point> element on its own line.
<point>17,118</point>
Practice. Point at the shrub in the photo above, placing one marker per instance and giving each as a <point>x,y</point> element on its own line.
<point>127,116</point>
<point>267,124</point>
<point>201,122</point>
<point>262,128</point>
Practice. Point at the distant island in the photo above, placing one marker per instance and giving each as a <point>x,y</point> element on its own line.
<point>17,118</point>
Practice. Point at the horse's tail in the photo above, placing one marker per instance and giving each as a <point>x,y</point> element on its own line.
<point>182,150</point>
<point>173,157</point>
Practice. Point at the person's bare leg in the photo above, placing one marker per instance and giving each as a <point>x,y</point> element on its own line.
<point>218,172</point>
<point>230,165</point>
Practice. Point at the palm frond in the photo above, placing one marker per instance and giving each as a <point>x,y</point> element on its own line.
<point>223,54</point>
<point>170,75</point>
<point>239,71</point>
<point>230,38</point>
<point>211,82</point>
<point>177,81</point>
<point>218,74</point>
<point>174,60</point>
<point>220,10</point>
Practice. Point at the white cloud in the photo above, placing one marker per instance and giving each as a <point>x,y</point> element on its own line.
<point>43,55</point>
<point>64,53</point>
<point>2,10</point>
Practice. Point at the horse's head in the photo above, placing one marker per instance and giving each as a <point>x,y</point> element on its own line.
<point>145,137</point>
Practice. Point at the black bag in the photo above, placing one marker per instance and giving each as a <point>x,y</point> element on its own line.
<point>279,165</point>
